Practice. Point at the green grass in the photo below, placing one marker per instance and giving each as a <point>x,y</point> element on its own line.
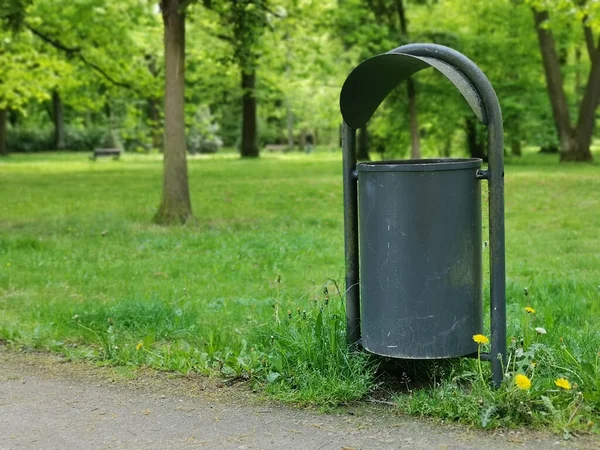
<point>83,272</point>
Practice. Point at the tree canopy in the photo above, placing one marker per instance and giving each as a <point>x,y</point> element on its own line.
<point>269,71</point>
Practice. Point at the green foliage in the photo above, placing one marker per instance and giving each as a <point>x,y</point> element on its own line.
<point>544,362</point>
<point>12,13</point>
<point>25,74</point>
<point>28,140</point>
<point>111,140</point>
<point>309,360</point>
<point>103,54</point>
<point>203,136</point>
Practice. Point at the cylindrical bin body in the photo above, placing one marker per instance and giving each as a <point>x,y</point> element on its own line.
<point>420,257</point>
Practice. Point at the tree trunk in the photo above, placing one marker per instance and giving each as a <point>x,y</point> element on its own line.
<point>58,119</point>
<point>574,142</point>
<point>415,143</point>
<point>515,147</point>
<point>249,138</point>
<point>475,146</point>
<point>288,103</point>
<point>362,149</point>
<point>587,112</point>
<point>153,110</point>
<point>290,127</point>
<point>3,148</point>
<point>415,139</point>
<point>175,205</point>
<point>577,74</point>
<point>446,150</point>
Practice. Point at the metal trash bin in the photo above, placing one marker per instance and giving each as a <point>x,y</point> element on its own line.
<point>412,229</point>
<point>420,257</point>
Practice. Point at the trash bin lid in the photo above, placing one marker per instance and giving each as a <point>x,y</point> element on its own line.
<point>419,165</point>
<point>372,80</point>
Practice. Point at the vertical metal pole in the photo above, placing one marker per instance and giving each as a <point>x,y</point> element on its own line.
<point>351,233</point>
<point>497,244</point>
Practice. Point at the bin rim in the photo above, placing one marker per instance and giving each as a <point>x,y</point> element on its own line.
<point>420,165</point>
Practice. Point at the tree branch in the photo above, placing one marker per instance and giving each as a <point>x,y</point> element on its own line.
<point>78,52</point>
<point>57,44</point>
<point>589,38</point>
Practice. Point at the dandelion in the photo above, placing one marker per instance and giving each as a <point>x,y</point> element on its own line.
<point>481,339</point>
<point>529,310</point>
<point>541,330</point>
<point>563,383</point>
<point>139,346</point>
<point>523,382</point>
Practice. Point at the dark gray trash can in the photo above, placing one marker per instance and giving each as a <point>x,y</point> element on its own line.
<point>412,229</point>
<point>420,257</point>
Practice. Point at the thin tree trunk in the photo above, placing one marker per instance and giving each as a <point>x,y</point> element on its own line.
<point>515,147</point>
<point>587,111</point>
<point>362,149</point>
<point>58,119</point>
<point>475,146</point>
<point>577,73</point>
<point>288,105</point>
<point>290,127</point>
<point>249,137</point>
<point>175,205</point>
<point>589,40</point>
<point>153,108</point>
<point>447,148</point>
<point>3,148</point>
<point>415,138</point>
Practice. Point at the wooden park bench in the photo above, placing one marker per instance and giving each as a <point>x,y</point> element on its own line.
<point>115,153</point>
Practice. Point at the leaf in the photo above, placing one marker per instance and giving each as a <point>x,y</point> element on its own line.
<point>487,416</point>
<point>548,404</point>
<point>272,377</point>
<point>319,325</point>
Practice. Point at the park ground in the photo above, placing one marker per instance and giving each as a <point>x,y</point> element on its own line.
<point>46,403</point>
<point>248,290</point>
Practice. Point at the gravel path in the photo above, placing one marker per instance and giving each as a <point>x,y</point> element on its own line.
<point>48,404</point>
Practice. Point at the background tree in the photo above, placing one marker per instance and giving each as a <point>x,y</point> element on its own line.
<point>575,139</point>
<point>175,206</point>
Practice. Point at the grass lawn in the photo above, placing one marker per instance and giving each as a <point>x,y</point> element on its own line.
<point>240,291</point>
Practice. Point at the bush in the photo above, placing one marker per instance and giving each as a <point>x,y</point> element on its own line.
<point>83,139</point>
<point>26,140</point>
<point>202,136</point>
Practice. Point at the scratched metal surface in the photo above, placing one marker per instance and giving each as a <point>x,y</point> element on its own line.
<point>420,257</point>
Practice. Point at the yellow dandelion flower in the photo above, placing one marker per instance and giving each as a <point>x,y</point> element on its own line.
<point>563,383</point>
<point>523,382</point>
<point>529,310</point>
<point>139,345</point>
<point>481,339</point>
